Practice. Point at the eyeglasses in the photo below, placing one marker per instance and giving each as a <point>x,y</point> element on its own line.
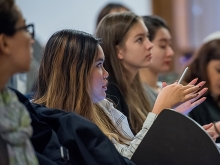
<point>29,28</point>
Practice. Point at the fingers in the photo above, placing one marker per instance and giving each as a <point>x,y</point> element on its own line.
<point>191,89</point>
<point>193,82</point>
<point>202,92</point>
<point>196,103</point>
<point>207,126</point>
<point>201,83</point>
<point>190,96</point>
<point>212,135</point>
<point>195,96</point>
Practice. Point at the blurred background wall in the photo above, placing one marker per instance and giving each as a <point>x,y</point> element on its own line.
<point>52,15</point>
<point>190,20</point>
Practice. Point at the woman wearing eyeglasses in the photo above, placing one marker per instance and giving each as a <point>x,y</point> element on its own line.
<point>15,56</point>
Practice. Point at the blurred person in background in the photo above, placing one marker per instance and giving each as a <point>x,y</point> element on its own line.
<point>111,8</point>
<point>206,66</point>
<point>162,55</point>
<point>16,39</point>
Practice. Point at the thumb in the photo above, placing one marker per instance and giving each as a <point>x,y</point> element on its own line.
<point>207,126</point>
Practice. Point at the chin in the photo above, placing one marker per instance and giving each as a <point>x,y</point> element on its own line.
<point>103,96</point>
<point>164,69</point>
<point>146,65</point>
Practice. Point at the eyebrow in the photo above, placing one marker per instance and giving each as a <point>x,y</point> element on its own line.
<point>165,40</point>
<point>142,34</point>
<point>100,59</point>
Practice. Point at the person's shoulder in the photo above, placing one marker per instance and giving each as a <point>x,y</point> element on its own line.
<point>58,115</point>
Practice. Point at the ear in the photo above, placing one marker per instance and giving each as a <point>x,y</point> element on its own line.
<point>4,45</point>
<point>119,51</point>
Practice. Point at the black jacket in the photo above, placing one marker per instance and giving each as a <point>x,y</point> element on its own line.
<point>44,139</point>
<point>85,142</point>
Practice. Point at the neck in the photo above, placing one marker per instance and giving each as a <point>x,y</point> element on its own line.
<point>149,77</point>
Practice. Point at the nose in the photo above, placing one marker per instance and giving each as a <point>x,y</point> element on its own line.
<point>105,73</point>
<point>149,44</point>
<point>170,51</point>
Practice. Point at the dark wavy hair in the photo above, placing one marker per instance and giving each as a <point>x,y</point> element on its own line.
<point>198,66</point>
<point>8,17</point>
<point>154,23</point>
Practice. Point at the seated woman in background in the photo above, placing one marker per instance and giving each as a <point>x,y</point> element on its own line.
<point>162,55</point>
<point>111,8</point>
<point>76,81</point>
<point>206,66</point>
<point>127,48</point>
<point>15,56</point>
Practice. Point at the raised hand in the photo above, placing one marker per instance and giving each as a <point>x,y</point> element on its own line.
<point>173,95</point>
<point>187,106</point>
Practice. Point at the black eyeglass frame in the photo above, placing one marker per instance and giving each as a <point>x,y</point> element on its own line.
<point>26,27</point>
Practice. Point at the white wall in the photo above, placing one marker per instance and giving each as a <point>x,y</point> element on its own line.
<point>204,17</point>
<point>52,15</point>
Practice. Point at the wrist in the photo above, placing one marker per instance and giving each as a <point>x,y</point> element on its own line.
<point>158,108</point>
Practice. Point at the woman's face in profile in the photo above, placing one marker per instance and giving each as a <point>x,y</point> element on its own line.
<point>20,46</point>
<point>98,79</point>
<point>162,52</point>
<point>136,51</point>
<point>213,73</point>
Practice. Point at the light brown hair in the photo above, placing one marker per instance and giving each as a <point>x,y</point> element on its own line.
<point>113,30</point>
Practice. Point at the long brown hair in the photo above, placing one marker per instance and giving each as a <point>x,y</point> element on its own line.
<point>112,30</point>
<point>63,80</point>
<point>107,9</point>
<point>198,65</point>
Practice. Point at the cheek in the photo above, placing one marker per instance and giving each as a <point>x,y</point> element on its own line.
<point>157,60</point>
<point>95,80</point>
<point>213,79</point>
<point>93,84</point>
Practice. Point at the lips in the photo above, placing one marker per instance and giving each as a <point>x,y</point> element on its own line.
<point>105,86</point>
<point>148,56</point>
<point>167,62</point>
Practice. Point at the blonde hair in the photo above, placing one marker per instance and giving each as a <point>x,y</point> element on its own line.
<point>112,30</point>
<point>63,78</point>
